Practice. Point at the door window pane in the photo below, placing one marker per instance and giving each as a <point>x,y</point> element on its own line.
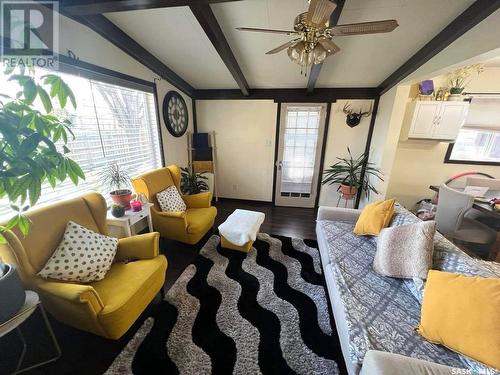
<point>300,141</point>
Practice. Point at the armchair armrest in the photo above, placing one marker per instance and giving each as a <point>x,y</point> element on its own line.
<point>200,200</point>
<point>338,214</point>
<point>142,246</point>
<point>176,214</point>
<point>73,293</point>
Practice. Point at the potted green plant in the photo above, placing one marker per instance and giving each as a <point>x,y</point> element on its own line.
<point>118,181</point>
<point>33,143</point>
<point>192,183</point>
<point>459,79</point>
<point>347,173</point>
<point>34,150</point>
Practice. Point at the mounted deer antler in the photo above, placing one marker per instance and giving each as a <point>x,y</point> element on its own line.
<point>353,119</point>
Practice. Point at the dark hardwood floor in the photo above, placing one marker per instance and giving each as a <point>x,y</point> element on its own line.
<point>85,353</point>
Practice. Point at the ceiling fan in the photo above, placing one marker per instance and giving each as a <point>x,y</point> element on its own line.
<point>313,35</point>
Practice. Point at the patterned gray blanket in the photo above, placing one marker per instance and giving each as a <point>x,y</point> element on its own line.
<point>382,312</point>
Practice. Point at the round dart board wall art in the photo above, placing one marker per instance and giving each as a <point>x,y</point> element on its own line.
<point>175,114</point>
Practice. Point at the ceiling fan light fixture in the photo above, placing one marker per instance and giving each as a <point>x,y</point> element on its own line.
<point>299,54</point>
<point>319,53</point>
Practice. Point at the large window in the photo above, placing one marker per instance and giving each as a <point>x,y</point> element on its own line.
<point>478,141</point>
<point>111,124</point>
<point>475,146</point>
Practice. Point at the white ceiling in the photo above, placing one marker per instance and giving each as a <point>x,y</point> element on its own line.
<point>175,37</point>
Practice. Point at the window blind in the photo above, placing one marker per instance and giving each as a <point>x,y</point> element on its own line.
<point>484,114</point>
<point>111,124</point>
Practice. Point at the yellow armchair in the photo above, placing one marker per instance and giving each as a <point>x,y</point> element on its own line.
<point>189,226</point>
<point>107,307</point>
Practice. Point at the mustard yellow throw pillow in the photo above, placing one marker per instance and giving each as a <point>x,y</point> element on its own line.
<point>463,314</point>
<point>374,217</point>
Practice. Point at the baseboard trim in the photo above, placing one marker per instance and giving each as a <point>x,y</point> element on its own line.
<point>245,201</point>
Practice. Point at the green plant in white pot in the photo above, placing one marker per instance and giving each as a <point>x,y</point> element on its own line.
<point>347,173</point>
<point>459,79</point>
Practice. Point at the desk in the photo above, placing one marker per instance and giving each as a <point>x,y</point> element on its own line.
<point>483,207</point>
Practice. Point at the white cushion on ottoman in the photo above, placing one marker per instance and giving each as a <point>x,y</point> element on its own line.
<point>242,226</point>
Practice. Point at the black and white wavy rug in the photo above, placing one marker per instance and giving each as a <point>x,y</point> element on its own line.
<point>229,312</point>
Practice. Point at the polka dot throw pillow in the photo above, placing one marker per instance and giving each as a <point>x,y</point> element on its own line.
<point>170,200</point>
<point>82,255</point>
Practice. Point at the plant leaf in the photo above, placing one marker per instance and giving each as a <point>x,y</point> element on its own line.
<point>44,97</point>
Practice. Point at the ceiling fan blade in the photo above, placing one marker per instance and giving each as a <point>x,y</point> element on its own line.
<point>329,45</point>
<point>319,12</point>
<point>385,26</point>
<point>283,46</point>
<point>271,31</point>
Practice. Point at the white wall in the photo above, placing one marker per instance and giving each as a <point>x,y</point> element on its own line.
<point>385,138</point>
<point>340,136</point>
<point>174,148</point>
<point>92,48</point>
<point>245,136</point>
<point>246,131</point>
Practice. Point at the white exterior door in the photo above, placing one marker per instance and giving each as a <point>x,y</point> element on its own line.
<point>300,142</point>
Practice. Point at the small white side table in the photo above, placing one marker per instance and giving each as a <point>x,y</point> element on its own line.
<point>128,222</point>
<point>31,303</point>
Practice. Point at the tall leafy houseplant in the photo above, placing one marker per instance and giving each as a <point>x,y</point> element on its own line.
<point>192,183</point>
<point>29,155</point>
<point>347,173</point>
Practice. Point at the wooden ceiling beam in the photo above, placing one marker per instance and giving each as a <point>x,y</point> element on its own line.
<point>119,38</point>
<point>474,14</point>
<point>208,22</point>
<point>316,69</point>
<point>321,95</point>
<point>92,7</point>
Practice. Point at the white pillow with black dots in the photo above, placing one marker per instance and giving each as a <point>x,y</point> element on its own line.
<point>83,255</point>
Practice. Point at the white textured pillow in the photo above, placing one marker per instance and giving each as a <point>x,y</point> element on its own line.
<point>405,251</point>
<point>170,200</point>
<point>82,255</point>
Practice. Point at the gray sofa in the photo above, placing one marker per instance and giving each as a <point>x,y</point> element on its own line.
<point>377,313</point>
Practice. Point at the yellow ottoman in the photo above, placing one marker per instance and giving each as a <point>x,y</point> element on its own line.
<point>240,229</point>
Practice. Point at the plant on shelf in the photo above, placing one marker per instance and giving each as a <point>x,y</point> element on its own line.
<point>459,78</point>
<point>347,173</point>
<point>33,143</point>
<point>192,183</point>
<point>118,181</point>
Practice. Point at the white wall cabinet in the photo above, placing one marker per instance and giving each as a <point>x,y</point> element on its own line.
<point>439,120</point>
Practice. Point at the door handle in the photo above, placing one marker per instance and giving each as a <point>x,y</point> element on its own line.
<point>279,164</point>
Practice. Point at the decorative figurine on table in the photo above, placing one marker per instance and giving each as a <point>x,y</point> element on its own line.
<point>136,205</point>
